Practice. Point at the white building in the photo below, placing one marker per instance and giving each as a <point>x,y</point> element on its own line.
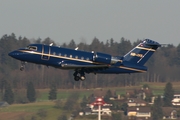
<point>176,100</point>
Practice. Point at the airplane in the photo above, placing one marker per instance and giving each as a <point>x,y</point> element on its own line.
<point>87,62</point>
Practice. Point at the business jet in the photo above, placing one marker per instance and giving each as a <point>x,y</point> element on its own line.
<point>87,62</point>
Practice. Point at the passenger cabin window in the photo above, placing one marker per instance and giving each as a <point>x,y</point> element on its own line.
<point>76,57</point>
<point>70,56</point>
<point>33,48</point>
<point>59,54</point>
<point>54,53</point>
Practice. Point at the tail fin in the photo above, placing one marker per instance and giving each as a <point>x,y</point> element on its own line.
<point>142,52</point>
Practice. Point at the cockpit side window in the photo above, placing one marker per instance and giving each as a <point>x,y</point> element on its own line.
<point>32,48</point>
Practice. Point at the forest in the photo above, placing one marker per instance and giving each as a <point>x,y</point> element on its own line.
<point>163,66</point>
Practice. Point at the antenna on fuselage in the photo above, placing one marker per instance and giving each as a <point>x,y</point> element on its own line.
<point>76,48</point>
<point>51,44</point>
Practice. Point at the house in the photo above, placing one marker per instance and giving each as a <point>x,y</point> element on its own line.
<point>176,100</point>
<point>87,111</point>
<point>93,109</point>
<point>136,102</point>
<point>139,113</point>
<point>130,94</point>
<point>3,104</point>
<point>169,113</point>
<point>105,110</point>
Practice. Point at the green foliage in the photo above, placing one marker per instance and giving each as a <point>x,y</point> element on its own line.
<point>168,94</point>
<point>53,92</point>
<point>62,117</point>
<point>91,117</point>
<point>157,109</point>
<point>107,96</point>
<point>116,116</point>
<point>71,101</point>
<point>124,107</point>
<point>33,118</point>
<point>145,86</point>
<point>84,102</point>
<point>149,97</point>
<point>115,105</point>
<point>42,113</point>
<point>8,95</point>
<point>31,94</point>
<point>20,96</point>
<point>58,104</point>
<point>178,113</point>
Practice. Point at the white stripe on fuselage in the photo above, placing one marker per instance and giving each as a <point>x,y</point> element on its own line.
<point>80,60</point>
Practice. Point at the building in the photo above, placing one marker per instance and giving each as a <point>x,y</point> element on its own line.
<point>176,100</point>
<point>139,112</point>
<point>87,111</point>
<point>169,113</point>
<point>93,108</point>
<point>136,102</point>
<point>105,110</point>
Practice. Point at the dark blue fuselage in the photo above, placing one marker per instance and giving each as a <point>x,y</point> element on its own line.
<point>88,62</point>
<point>54,56</point>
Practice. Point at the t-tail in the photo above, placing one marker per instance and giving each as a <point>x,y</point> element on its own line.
<point>142,52</point>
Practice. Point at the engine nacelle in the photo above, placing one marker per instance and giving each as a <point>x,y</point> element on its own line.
<point>104,58</point>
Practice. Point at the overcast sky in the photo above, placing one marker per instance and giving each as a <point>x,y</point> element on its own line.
<point>82,20</point>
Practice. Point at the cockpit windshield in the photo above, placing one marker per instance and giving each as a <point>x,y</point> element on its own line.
<point>32,48</point>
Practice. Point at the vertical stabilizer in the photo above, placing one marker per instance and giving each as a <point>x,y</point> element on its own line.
<point>142,52</point>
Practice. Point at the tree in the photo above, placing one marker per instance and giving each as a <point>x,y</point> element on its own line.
<point>157,110</point>
<point>116,116</point>
<point>107,96</point>
<point>42,113</point>
<point>84,102</point>
<point>168,94</point>
<point>31,94</point>
<point>71,101</point>
<point>124,107</point>
<point>53,92</point>
<point>58,104</point>
<point>72,44</point>
<point>63,117</point>
<point>8,95</point>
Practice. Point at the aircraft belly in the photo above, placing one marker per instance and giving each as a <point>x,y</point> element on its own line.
<point>121,70</point>
<point>114,70</point>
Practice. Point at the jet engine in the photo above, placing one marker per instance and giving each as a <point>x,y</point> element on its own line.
<point>104,58</point>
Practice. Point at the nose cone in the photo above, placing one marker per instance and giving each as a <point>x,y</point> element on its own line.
<point>10,54</point>
<point>19,55</point>
<point>13,54</point>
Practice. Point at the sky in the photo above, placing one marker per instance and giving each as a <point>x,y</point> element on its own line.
<point>83,20</point>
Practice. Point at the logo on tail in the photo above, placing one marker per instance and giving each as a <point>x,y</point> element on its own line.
<point>142,52</point>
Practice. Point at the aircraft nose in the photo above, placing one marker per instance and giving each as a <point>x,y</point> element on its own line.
<point>13,54</point>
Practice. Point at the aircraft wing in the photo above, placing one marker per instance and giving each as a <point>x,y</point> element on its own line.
<point>75,66</point>
<point>88,68</point>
